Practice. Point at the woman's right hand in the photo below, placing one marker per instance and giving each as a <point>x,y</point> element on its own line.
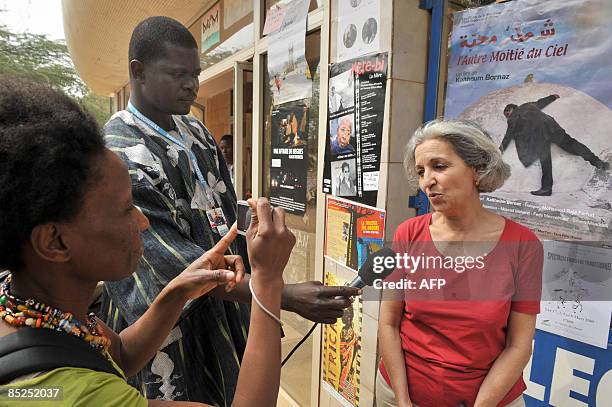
<point>269,242</point>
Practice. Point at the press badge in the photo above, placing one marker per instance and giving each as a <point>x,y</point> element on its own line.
<point>217,220</point>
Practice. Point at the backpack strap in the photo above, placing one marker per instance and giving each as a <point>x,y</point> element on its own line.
<point>34,350</point>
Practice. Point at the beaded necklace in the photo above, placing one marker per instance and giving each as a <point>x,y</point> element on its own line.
<point>17,312</point>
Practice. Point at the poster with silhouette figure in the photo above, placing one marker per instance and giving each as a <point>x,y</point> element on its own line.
<point>342,351</point>
<point>356,105</point>
<point>536,77</point>
<point>289,158</point>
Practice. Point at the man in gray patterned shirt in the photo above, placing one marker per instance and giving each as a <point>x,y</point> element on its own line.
<point>178,177</point>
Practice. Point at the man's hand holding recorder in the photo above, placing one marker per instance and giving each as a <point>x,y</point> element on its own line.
<point>311,300</point>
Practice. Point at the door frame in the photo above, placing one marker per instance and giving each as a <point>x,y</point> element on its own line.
<point>239,69</point>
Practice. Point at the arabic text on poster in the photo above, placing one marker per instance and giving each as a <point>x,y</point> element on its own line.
<point>535,76</point>
<point>538,82</point>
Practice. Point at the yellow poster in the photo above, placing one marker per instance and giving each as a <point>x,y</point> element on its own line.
<point>353,232</point>
<point>337,230</point>
<point>342,351</point>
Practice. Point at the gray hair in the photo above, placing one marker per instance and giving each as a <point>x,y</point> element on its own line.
<point>345,119</point>
<point>471,142</point>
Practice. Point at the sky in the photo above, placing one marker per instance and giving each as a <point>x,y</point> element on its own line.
<point>34,16</point>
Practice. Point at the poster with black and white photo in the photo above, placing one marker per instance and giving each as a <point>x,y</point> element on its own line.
<point>355,115</point>
<point>358,28</point>
<point>289,158</point>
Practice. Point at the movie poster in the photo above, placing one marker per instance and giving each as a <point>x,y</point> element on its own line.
<point>287,67</point>
<point>289,158</point>
<point>536,76</point>
<point>353,232</point>
<point>547,65</point>
<point>354,128</point>
<point>358,28</point>
<point>342,351</point>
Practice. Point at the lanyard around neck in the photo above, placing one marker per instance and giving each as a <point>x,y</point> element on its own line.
<point>176,142</point>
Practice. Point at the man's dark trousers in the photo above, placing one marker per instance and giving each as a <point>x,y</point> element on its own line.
<point>547,177</point>
<point>573,146</point>
<point>569,144</point>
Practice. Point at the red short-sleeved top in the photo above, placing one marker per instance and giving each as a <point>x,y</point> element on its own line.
<point>449,345</point>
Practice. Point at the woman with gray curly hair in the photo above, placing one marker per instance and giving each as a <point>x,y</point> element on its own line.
<point>465,339</point>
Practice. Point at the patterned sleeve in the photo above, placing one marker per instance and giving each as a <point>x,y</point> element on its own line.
<point>169,248</point>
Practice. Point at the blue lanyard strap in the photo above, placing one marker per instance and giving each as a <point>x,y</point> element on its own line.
<point>169,138</point>
<point>174,141</point>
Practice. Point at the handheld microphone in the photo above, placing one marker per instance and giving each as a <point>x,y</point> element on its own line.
<point>367,274</point>
<point>365,277</point>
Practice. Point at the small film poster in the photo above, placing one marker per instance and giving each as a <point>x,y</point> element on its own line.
<point>356,105</point>
<point>353,232</point>
<point>576,297</point>
<point>342,351</point>
<point>289,158</point>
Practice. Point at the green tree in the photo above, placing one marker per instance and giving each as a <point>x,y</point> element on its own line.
<point>41,59</point>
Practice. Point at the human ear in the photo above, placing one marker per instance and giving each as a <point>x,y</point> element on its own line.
<point>48,243</point>
<point>476,176</point>
<point>137,70</point>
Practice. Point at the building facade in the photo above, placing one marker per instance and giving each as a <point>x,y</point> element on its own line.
<point>235,98</point>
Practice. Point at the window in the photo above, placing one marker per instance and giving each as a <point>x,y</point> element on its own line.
<point>296,377</point>
<point>232,32</point>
